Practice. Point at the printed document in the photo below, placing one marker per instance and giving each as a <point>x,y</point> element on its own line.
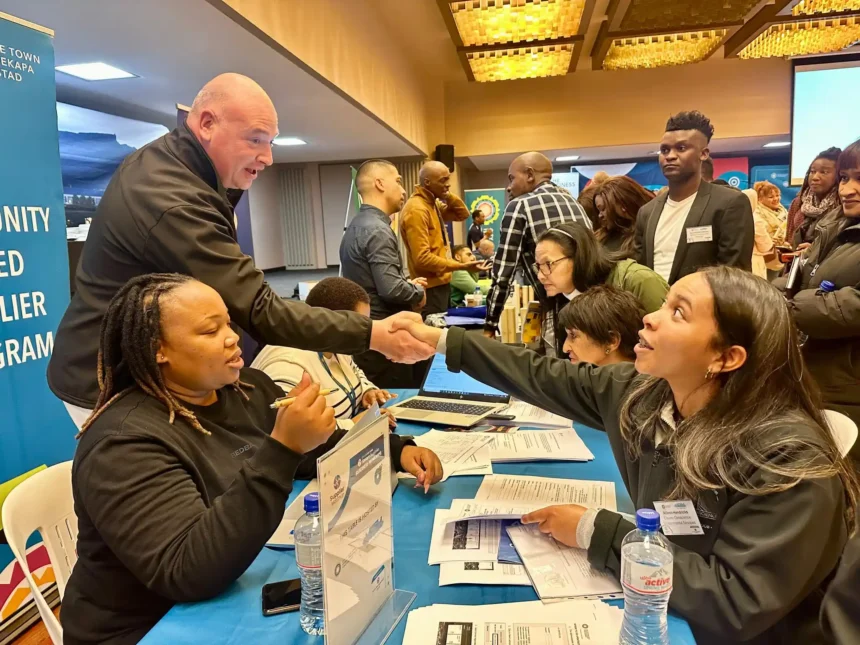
<point>537,445</point>
<point>576,622</point>
<point>464,541</point>
<point>483,573</point>
<point>559,571</point>
<point>530,416</point>
<point>547,491</point>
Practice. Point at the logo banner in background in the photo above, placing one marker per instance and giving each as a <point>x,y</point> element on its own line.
<point>34,274</point>
<point>492,203</point>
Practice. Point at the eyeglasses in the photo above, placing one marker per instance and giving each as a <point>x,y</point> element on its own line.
<point>547,267</point>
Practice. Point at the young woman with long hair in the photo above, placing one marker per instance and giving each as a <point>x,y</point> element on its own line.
<point>718,410</point>
<point>831,318</point>
<point>817,197</point>
<point>618,202</point>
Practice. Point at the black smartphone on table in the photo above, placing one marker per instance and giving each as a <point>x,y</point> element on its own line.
<point>282,597</point>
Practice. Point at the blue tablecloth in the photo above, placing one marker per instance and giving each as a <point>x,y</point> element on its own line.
<point>235,617</point>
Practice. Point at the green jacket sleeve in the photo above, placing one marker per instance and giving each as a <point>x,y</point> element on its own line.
<point>648,286</point>
<point>579,392</point>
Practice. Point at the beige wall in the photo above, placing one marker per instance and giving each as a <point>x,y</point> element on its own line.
<point>588,109</point>
<point>345,42</point>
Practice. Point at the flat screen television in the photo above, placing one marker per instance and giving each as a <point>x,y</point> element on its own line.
<point>825,105</point>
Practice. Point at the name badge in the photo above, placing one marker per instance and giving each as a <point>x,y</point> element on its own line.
<point>700,234</point>
<point>678,517</point>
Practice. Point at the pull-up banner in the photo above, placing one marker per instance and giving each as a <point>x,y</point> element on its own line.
<point>34,275</point>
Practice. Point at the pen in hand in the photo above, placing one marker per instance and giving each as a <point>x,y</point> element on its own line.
<point>287,401</point>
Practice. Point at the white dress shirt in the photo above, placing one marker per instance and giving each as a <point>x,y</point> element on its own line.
<point>670,227</point>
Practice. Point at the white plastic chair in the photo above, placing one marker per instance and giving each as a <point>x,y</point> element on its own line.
<point>44,503</point>
<point>844,430</point>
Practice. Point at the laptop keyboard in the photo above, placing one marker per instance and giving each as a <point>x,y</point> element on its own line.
<point>445,406</point>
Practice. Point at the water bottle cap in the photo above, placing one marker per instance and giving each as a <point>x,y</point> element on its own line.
<point>827,286</point>
<point>647,520</point>
<point>312,503</point>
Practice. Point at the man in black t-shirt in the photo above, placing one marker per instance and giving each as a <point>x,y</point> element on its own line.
<point>476,233</point>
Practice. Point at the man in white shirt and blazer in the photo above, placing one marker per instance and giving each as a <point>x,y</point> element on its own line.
<point>695,224</point>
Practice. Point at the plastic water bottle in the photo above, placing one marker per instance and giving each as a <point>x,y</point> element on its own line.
<point>308,537</point>
<point>479,297</point>
<point>827,287</point>
<point>646,575</point>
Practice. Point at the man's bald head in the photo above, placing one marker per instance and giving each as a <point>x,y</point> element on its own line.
<point>235,121</point>
<point>380,185</point>
<point>435,177</point>
<point>229,91</point>
<point>527,172</point>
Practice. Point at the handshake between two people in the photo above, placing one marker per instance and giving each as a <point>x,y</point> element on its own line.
<point>403,338</point>
<point>309,422</point>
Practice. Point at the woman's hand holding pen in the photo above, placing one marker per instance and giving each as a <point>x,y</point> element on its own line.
<point>308,422</point>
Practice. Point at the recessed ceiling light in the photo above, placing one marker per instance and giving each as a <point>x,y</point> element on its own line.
<point>289,141</point>
<point>95,71</point>
<point>654,152</point>
<point>777,144</point>
<point>567,158</point>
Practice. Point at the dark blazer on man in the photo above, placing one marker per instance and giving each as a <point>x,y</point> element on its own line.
<point>729,214</point>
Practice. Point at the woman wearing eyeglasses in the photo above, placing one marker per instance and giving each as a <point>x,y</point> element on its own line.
<point>570,260</point>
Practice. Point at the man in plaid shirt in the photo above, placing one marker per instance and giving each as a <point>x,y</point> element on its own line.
<point>536,205</point>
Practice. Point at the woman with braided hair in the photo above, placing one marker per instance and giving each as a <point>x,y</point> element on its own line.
<point>183,469</point>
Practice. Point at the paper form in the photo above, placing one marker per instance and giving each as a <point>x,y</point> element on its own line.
<point>547,491</point>
<point>556,570</point>
<point>465,541</point>
<point>530,416</point>
<point>483,573</point>
<point>535,445</point>
<point>577,622</point>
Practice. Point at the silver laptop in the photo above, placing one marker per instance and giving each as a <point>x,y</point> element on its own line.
<point>450,398</point>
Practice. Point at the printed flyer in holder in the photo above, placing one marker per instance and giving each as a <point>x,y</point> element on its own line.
<point>361,603</point>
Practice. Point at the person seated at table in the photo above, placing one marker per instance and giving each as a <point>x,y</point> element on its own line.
<point>183,469</point>
<point>602,326</point>
<point>352,392</point>
<point>464,282</point>
<point>719,410</point>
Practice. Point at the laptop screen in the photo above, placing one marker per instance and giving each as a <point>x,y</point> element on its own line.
<point>440,382</point>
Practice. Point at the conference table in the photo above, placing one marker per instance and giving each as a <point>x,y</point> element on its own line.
<point>235,617</point>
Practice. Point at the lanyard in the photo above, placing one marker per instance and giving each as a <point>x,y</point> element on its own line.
<point>348,391</point>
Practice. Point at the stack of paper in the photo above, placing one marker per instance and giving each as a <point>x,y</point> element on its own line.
<point>559,571</point>
<point>545,491</point>
<point>540,445</point>
<point>461,453</point>
<point>483,573</point>
<point>530,416</point>
<point>577,622</point>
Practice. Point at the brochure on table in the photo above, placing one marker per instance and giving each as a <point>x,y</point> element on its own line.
<point>361,604</point>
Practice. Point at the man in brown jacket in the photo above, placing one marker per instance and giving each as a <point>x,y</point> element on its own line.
<point>423,228</point>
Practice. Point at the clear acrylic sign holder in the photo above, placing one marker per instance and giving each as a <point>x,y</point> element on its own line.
<point>362,607</point>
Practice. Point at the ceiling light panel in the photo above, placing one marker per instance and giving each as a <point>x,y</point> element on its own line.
<point>289,141</point>
<point>645,52</point>
<point>95,71</point>
<point>804,37</point>
<point>490,22</point>
<point>812,7</point>
<point>520,62</point>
